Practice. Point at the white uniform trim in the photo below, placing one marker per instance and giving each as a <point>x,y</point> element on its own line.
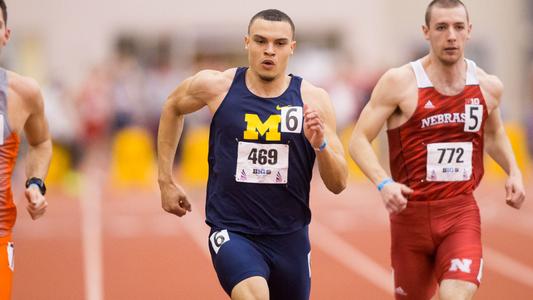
<point>422,79</point>
<point>471,78</point>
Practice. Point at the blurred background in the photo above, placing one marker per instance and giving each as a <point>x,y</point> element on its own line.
<point>106,68</point>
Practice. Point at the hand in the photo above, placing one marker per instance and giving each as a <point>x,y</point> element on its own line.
<point>313,127</point>
<point>174,200</point>
<point>394,196</point>
<point>514,191</point>
<point>36,202</point>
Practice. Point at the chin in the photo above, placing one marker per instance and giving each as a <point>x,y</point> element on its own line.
<point>449,60</point>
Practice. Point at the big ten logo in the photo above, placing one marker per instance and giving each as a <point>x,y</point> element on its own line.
<point>474,101</point>
<point>254,127</point>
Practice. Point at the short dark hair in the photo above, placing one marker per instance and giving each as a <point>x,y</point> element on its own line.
<point>443,4</point>
<point>4,10</point>
<point>272,15</point>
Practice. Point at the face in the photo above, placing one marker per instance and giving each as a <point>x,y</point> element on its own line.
<point>4,32</point>
<point>448,31</point>
<point>269,45</point>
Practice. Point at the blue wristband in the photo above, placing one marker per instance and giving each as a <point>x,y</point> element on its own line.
<point>322,146</point>
<point>384,183</point>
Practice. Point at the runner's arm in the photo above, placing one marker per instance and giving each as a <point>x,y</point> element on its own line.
<point>37,133</point>
<point>331,159</point>
<point>188,97</point>
<point>498,146</point>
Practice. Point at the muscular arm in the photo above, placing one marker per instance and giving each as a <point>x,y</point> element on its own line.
<point>331,162</point>
<point>385,100</point>
<point>381,106</point>
<point>497,143</point>
<point>190,96</point>
<point>37,135</point>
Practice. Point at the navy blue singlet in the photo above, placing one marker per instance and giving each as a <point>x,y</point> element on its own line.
<point>253,126</point>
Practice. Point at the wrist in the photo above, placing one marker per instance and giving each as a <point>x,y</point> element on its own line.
<point>322,146</point>
<point>38,182</point>
<point>384,182</point>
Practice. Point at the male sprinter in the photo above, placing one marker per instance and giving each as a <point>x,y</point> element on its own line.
<point>440,110</point>
<point>266,131</point>
<point>21,109</point>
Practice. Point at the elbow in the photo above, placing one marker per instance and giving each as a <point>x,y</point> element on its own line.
<point>338,186</point>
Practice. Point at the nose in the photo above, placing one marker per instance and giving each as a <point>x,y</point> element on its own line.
<point>269,49</point>
<point>452,35</point>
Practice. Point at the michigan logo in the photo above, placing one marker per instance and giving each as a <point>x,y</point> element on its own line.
<point>254,127</point>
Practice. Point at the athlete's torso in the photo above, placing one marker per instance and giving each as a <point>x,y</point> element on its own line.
<point>438,152</point>
<point>9,143</point>
<point>260,163</point>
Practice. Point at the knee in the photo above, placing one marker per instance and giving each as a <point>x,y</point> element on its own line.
<point>456,290</point>
<point>253,288</point>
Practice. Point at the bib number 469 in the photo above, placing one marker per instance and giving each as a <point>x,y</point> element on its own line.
<point>263,156</point>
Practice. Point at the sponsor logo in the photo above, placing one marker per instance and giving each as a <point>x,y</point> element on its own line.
<point>280,107</point>
<point>429,105</point>
<point>400,291</point>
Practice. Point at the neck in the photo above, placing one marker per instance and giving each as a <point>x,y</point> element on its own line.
<point>450,74</point>
<point>266,88</point>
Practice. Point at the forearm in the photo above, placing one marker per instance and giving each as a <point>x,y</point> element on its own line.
<point>168,137</point>
<point>38,159</point>
<point>333,169</point>
<point>498,147</point>
<point>362,153</point>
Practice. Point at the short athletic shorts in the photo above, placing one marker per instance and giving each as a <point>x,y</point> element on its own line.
<point>7,266</point>
<point>435,240</point>
<point>283,260</point>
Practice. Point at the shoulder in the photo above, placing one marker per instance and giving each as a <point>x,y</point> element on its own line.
<point>26,88</point>
<point>395,86</point>
<point>211,81</point>
<point>491,85</point>
<point>314,96</point>
<point>398,79</point>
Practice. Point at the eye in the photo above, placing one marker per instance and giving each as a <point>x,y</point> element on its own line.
<point>441,27</point>
<point>281,43</point>
<point>460,27</point>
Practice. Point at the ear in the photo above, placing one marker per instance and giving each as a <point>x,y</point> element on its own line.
<point>246,41</point>
<point>7,35</point>
<point>293,46</point>
<point>425,31</point>
<point>469,31</point>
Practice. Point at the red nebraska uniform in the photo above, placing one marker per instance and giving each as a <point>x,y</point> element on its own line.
<point>438,153</point>
<point>9,144</point>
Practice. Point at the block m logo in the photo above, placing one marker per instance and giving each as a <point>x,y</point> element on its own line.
<point>461,264</point>
<point>254,127</point>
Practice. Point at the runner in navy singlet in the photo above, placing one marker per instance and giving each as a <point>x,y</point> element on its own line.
<point>266,132</point>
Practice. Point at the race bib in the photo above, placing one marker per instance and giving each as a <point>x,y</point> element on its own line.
<point>473,117</point>
<point>262,163</point>
<point>291,119</point>
<point>449,161</point>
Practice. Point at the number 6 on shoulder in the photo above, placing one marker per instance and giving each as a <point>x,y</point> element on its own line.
<point>291,119</point>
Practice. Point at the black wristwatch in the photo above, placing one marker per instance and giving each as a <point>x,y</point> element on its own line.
<point>38,182</point>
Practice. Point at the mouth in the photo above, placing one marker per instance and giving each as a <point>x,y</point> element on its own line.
<point>451,49</point>
<point>268,63</point>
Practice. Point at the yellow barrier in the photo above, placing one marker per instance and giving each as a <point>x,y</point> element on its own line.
<point>517,136</point>
<point>194,167</point>
<point>60,166</point>
<point>133,158</point>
